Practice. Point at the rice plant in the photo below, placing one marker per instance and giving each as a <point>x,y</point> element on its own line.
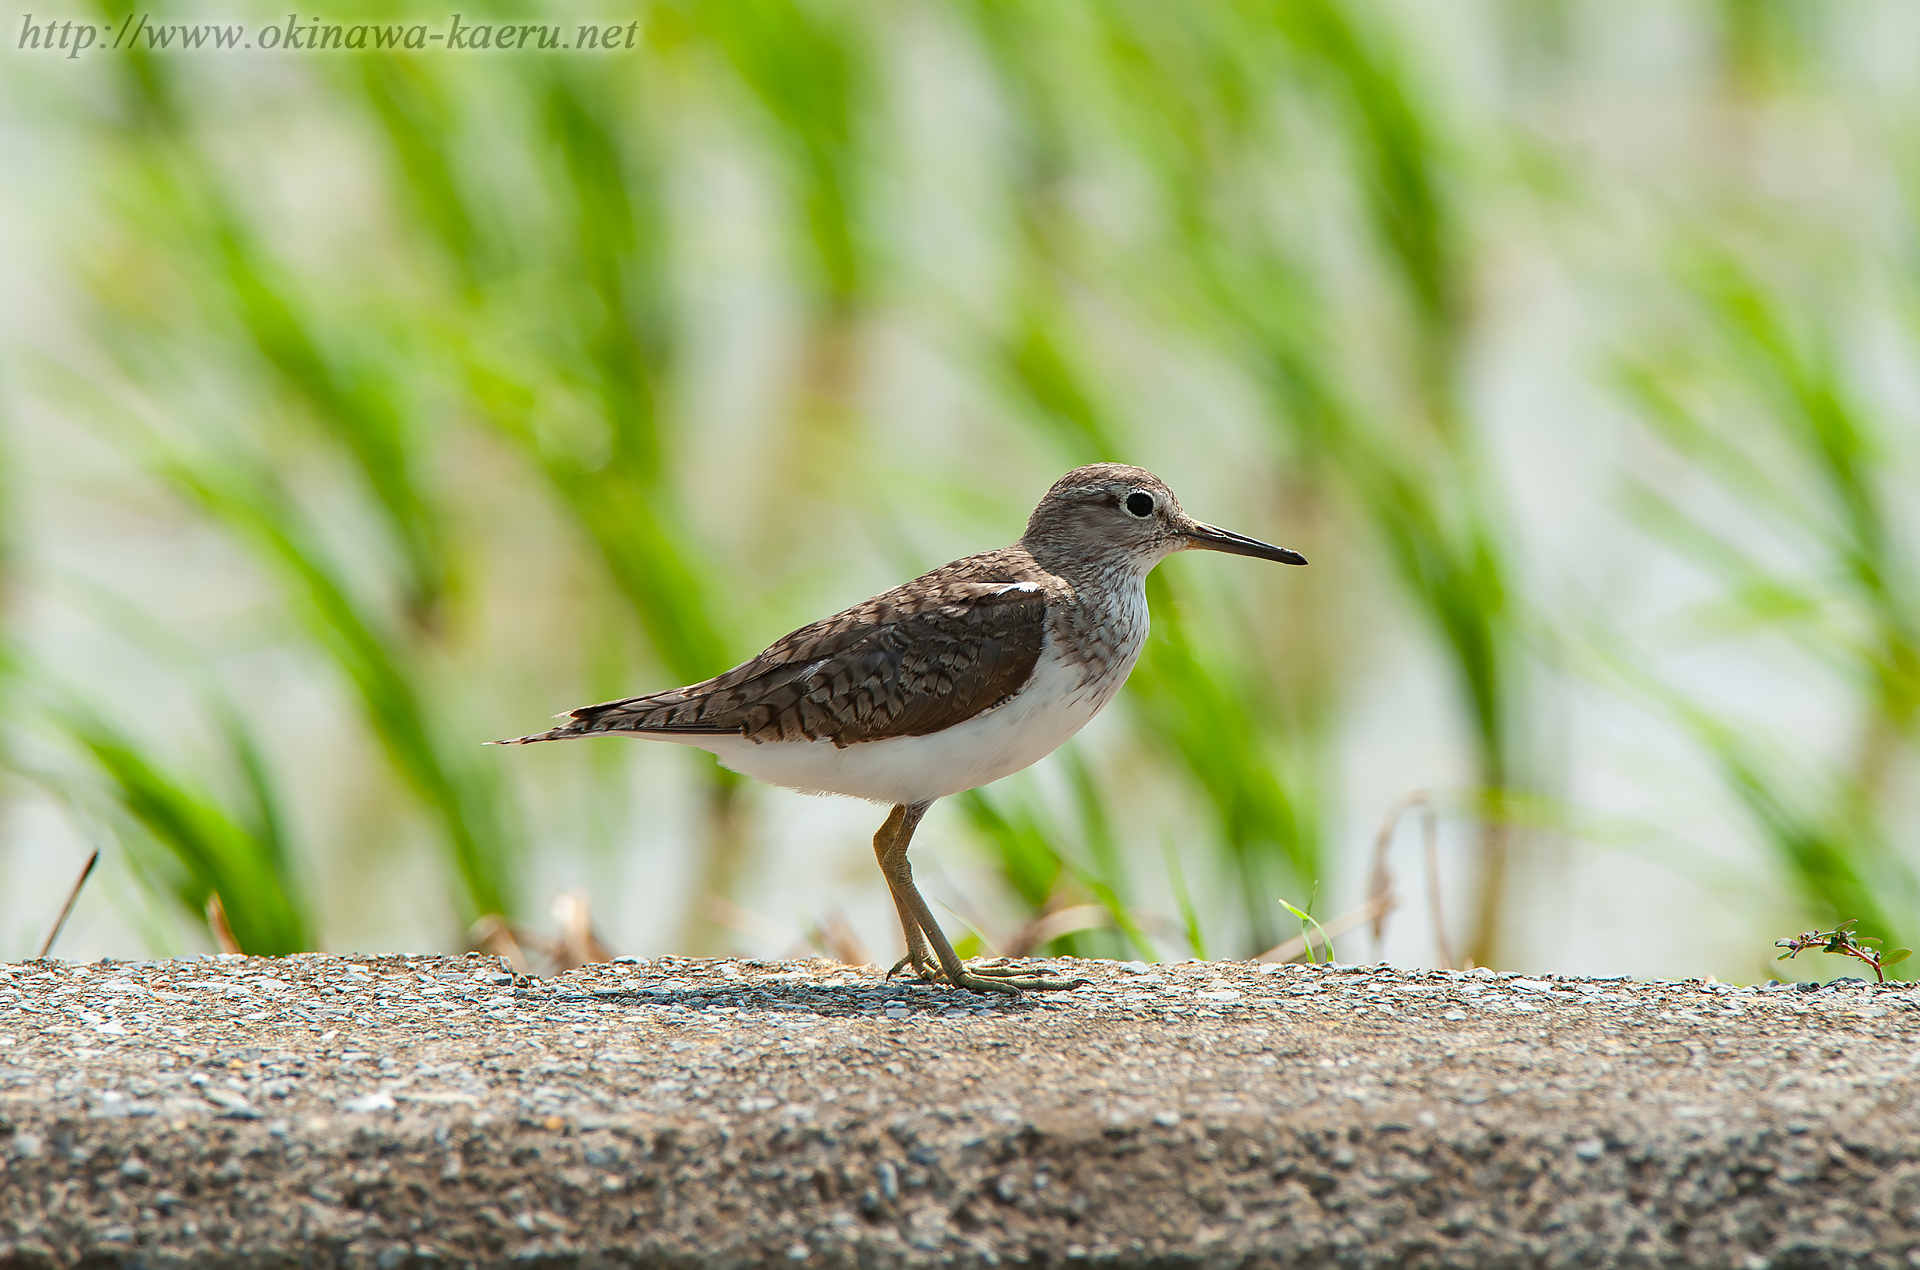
<point>1821,562</point>
<point>377,629</point>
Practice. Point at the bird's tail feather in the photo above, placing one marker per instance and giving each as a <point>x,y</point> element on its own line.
<point>551,734</point>
<point>585,721</point>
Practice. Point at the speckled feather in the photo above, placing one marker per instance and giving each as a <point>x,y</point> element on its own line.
<point>913,660</point>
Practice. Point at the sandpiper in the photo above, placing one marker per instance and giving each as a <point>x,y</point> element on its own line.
<point>963,675</point>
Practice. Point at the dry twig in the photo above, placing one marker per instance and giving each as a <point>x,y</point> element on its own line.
<point>834,936</point>
<point>217,923</point>
<point>60,922</point>
<point>493,933</point>
<point>1051,924</point>
<point>577,945</point>
<point>1382,878</point>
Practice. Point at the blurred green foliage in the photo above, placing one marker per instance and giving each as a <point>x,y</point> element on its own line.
<point>388,325</point>
<point>203,850</point>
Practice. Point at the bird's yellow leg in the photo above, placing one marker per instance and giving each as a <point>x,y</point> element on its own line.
<point>883,850</point>
<point>916,920</point>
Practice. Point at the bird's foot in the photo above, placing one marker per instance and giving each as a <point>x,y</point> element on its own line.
<point>999,975</point>
<point>924,967</point>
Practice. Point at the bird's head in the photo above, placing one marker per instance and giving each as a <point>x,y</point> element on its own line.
<point>1110,513</point>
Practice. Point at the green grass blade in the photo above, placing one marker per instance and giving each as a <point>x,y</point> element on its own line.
<point>459,794</point>
<point>1027,859</point>
<point>808,70</point>
<point>215,852</point>
<point>1189,915</point>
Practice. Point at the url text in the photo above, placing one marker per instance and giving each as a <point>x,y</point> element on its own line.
<point>137,31</point>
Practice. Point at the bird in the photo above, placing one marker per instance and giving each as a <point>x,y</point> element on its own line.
<point>964,675</point>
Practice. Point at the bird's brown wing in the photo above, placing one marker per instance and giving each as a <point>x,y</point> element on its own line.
<point>911,661</point>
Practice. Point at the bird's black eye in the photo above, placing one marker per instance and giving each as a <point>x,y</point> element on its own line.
<point>1140,504</point>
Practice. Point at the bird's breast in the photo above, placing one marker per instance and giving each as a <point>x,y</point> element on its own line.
<point>1101,634</point>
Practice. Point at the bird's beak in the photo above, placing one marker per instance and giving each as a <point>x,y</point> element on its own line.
<point>1212,538</point>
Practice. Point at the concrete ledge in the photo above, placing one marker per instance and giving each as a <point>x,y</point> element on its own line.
<point>424,1111</point>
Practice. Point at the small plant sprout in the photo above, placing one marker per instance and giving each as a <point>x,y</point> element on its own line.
<point>1306,916</point>
<point>1841,939</point>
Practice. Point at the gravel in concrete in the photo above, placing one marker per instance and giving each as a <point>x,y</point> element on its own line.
<point>429,1111</point>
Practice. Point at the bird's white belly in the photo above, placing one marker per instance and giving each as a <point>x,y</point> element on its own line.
<point>1056,702</point>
